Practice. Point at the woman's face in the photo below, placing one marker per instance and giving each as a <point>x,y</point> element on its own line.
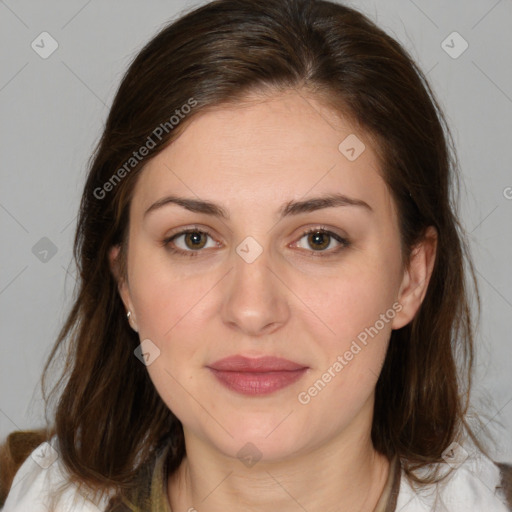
<point>249,182</point>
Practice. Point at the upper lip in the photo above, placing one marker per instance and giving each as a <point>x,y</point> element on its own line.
<point>260,364</point>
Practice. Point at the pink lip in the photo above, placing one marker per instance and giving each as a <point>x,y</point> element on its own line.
<point>258,376</point>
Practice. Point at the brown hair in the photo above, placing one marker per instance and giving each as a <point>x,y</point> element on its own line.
<point>109,418</point>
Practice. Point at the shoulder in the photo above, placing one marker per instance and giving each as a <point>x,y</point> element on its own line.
<point>41,478</point>
<point>473,482</point>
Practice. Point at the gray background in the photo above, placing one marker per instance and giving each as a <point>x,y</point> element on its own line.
<point>52,113</point>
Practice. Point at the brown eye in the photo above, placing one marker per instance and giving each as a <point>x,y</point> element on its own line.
<point>322,242</point>
<point>195,240</point>
<point>190,242</point>
<point>319,240</point>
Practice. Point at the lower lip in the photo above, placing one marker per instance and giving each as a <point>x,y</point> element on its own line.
<point>258,383</point>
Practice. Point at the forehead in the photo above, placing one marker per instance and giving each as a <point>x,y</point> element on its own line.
<point>264,150</point>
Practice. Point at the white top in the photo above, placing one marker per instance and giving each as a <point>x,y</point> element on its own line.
<point>39,476</point>
<point>471,487</point>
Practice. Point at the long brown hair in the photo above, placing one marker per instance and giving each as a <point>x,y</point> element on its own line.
<point>109,418</point>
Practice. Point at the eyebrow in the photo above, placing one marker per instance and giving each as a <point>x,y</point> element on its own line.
<point>288,209</point>
<point>194,205</point>
<point>318,203</point>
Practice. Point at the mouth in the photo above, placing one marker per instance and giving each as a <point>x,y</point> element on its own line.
<point>256,376</point>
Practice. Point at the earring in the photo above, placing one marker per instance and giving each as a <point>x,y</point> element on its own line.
<point>128,316</point>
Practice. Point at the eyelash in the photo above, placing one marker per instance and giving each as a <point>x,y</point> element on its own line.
<point>191,254</point>
<point>345,243</point>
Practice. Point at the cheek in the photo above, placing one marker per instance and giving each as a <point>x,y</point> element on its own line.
<point>164,299</point>
<point>170,313</point>
<point>360,311</point>
<point>174,312</point>
<point>354,314</point>
<point>350,300</point>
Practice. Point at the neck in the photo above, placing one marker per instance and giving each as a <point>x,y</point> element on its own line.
<point>338,476</point>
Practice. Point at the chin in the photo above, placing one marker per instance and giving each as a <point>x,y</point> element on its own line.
<point>267,440</point>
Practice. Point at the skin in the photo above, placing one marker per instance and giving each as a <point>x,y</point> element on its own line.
<point>292,302</point>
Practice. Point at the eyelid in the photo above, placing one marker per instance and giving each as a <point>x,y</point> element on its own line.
<point>342,240</point>
<point>167,241</point>
<point>187,229</point>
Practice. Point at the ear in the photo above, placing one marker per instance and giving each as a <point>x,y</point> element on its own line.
<point>416,278</point>
<point>122,285</point>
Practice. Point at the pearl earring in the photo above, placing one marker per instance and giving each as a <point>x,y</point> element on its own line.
<point>128,316</point>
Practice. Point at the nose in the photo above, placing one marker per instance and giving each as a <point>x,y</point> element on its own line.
<point>255,302</point>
